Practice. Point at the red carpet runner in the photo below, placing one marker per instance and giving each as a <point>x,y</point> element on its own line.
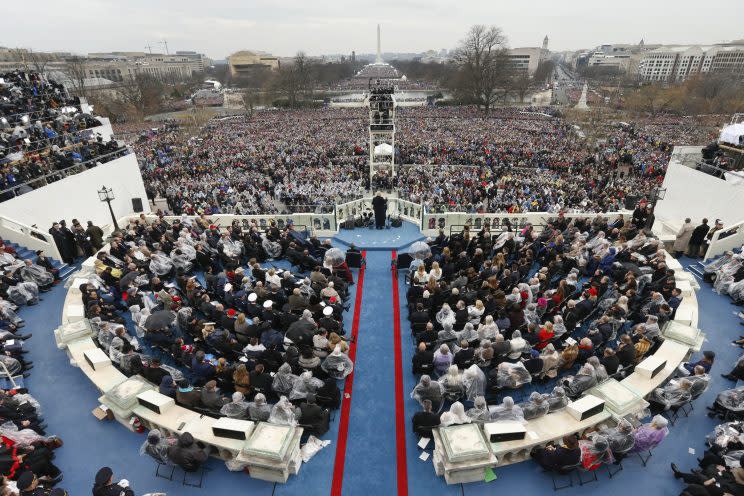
<point>400,420</point>
<point>343,429</point>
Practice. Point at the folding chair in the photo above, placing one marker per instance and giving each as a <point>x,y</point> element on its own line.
<point>566,471</point>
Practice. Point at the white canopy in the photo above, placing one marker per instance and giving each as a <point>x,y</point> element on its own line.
<point>384,149</point>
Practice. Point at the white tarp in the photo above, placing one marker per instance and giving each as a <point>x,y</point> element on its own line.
<point>734,177</point>
<point>384,149</point>
<point>732,134</point>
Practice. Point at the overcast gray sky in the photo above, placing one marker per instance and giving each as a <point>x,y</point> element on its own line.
<point>282,27</point>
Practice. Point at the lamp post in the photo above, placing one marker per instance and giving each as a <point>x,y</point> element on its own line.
<point>107,195</point>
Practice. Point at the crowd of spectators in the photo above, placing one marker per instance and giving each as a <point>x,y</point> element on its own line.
<point>26,449</point>
<point>501,317</point>
<point>511,160</point>
<point>42,131</point>
<point>203,314</point>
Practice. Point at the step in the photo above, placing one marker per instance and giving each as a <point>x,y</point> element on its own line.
<point>65,271</point>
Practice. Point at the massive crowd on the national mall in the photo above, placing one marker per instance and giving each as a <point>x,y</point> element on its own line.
<point>454,158</point>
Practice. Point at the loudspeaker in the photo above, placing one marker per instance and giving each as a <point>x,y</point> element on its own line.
<point>137,205</point>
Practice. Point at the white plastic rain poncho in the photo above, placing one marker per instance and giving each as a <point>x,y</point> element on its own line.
<point>12,366</point>
<point>272,249</point>
<point>507,410</point>
<point>428,389</point>
<point>36,274</point>
<point>512,375</point>
<point>284,379</point>
<point>732,399</point>
<point>584,379</point>
<point>181,260</point>
<point>536,406</point>
<point>258,409</point>
<point>160,264</point>
<point>456,415</point>
<point>305,384</point>
<point>446,315</point>
<point>674,394</point>
<point>620,437</point>
<point>283,413</point>
<point>337,365</point>
<point>237,408</point>
<point>488,329</point>
<point>479,413</point>
<point>474,381</point>
<point>557,399</point>
<point>468,333</point>
<point>452,383</point>
<point>23,437</point>
<point>24,293</point>
<point>155,446</point>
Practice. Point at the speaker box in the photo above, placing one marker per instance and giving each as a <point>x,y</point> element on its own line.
<point>137,205</point>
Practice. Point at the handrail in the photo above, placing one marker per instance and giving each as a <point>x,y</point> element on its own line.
<point>726,239</point>
<point>64,172</point>
<point>29,236</point>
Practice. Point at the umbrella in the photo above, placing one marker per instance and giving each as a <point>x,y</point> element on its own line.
<point>159,320</point>
<point>420,250</point>
<point>334,257</point>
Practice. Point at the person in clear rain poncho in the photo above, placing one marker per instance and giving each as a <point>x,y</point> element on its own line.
<point>673,395</point>
<point>584,379</point>
<point>479,413</point>
<point>599,370</point>
<point>447,333</point>
<point>181,260</point>
<point>536,406</point>
<point>272,249</point>
<point>337,364</point>
<point>430,390</point>
<point>456,415</point>
<point>731,400</point>
<point>283,413</point>
<point>305,384</point>
<point>258,409</point>
<point>512,375</point>
<point>446,315</point>
<point>507,410</point>
<point>36,274</point>
<point>156,446</point>
<point>452,384</point>
<point>595,452</point>
<point>468,333</point>
<point>488,329</point>
<point>284,379</point>
<point>474,381</point>
<point>237,408</point>
<point>160,264</point>
<point>24,293</point>
<point>620,437</point>
<point>557,399</point>
<point>648,436</point>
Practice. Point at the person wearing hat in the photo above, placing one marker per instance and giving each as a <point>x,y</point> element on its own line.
<point>104,484</point>
<point>227,320</point>
<point>187,454</point>
<point>313,416</point>
<point>328,322</point>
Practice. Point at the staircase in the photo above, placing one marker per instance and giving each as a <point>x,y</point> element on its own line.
<point>24,253</point>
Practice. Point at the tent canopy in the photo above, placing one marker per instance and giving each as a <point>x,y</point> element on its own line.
<point>384,149</point>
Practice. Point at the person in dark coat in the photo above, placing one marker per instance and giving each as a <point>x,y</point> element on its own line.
<point>313,416</point>
<point>186,454</point>
<point>65,245</point>
<point>104,485</point>
<point>553,457</point>
<point>95,234</point>
<point>422,358</point>
<point>379,205</point>
<point>698,238</point>
<point>425,420</point>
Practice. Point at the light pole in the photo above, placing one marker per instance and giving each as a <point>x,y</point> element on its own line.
<point>106,195</point>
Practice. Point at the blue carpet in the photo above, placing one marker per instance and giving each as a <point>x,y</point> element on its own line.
<point>397,238</point>
<point>68,398</point>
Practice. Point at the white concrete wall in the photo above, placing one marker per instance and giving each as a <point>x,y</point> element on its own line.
<point>76,196</point>
<point>695,194</point>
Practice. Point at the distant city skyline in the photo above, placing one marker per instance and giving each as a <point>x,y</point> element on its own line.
<point>326,27</point>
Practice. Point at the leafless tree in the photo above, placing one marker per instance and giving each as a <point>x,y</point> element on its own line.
<point>482,61</point>
<point>142,94</point>
<point>76,68</point>
<point>295,80</point>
